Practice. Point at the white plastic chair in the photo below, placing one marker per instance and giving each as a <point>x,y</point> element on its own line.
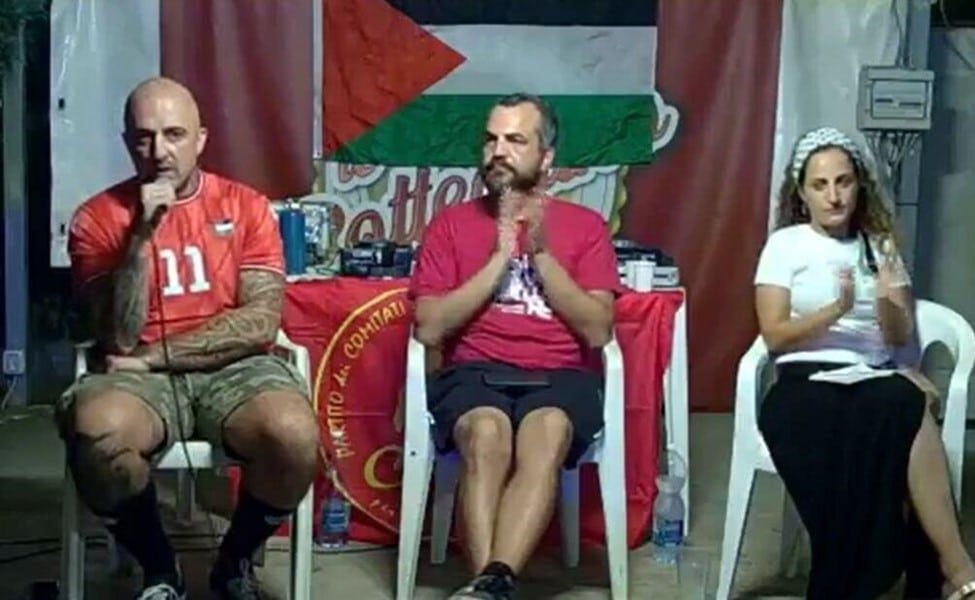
<point>935,323</point>
<point>201,455</point>
<point>677,404</point>
<point>419,456</point>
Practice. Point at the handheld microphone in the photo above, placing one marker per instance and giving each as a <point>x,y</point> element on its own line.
<point>157,215</point>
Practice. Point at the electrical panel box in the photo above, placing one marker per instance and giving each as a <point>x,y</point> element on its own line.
<point>894,98</point>
<point>13,362</point>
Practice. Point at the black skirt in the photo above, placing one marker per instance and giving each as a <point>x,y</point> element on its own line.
<point>842,452</point>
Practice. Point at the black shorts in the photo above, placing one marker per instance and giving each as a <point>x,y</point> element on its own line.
<point>462,387</point>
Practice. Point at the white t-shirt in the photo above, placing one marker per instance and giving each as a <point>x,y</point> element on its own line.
<point>807,263</point>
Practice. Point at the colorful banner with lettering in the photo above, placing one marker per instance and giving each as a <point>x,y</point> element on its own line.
<point>356,333</point>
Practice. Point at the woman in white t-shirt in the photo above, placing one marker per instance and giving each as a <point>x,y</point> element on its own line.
<point>832,291</point>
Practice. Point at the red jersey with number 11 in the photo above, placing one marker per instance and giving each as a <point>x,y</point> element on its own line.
<point>196,254</point>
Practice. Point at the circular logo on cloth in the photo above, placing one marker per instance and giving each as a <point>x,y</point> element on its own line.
<point>358,392</point>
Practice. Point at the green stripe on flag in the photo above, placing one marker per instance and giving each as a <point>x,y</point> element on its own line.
<point>446,131</point>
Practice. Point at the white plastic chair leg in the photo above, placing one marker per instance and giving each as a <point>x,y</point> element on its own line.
<point>953,437</point>
<point>791,535</point>
<point>682,445</point>
<point>612,479</point>
<point>569,517</point>
<point>677,398</point>
<point>299,584</point>
<point>677,435</point>
<point>446,474</point>
<point>72,543</point>
<point>185,492</point>
<point>120,562</point>
<point>113,554</point>
<point>417,467</point>
<point>740,486</point>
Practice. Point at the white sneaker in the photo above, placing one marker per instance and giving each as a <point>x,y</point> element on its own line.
<point>162,591</point>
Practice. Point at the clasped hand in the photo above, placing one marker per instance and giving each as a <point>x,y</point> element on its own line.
<point>140,361</point>
<point>513,220</point>
<point>886,277</point>
<point>115,363</point>
<point>885,281</point>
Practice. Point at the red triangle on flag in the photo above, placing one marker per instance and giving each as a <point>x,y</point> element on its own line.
<point>376,61</point>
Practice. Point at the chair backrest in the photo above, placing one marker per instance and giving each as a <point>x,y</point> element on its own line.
<point>748,391</point>
<point>937,323</point>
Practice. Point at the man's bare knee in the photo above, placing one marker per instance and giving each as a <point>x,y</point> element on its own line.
<point>277,435</point>
<point>116,411</point>
<point>109,438</point>
<point>278,426</point>
<point>544,438</point>
<point>484,437</point>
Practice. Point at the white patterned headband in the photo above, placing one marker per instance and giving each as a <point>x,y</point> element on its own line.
<point>821,138</point>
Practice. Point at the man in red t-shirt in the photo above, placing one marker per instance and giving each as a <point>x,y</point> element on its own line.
<point>182,274</point>
<point>517,289</point>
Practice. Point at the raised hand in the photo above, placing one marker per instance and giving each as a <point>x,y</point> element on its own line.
<point>535,230</point>
<point>891,275</point>
<point>115,364</point>
<point>156,197</point>
<point>507,244</point>
<point>847,290</point>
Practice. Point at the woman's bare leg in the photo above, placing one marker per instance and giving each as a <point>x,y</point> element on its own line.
<point>930,491</point>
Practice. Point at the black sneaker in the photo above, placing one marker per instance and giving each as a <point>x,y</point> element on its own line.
<point>487,587</point>
<point>233,579</point>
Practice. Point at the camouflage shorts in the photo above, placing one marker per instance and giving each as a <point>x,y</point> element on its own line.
<point>193,404</point>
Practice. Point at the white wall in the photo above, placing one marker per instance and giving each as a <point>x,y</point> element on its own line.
<point>823,46</point>
<point>945,252</point>
<point>90,79</point>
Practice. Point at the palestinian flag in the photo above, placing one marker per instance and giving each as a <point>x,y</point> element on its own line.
<point>409,82</point>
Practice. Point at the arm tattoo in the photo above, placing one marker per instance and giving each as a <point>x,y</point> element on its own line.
<point>129,301</point>
<point>117,303</point>
<point>231,335</point>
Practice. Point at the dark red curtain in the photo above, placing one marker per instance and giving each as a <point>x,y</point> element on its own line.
<point>250,66</point>
<point>705,200</point>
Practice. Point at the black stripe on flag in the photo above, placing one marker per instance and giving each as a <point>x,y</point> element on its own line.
<point>595,13</point>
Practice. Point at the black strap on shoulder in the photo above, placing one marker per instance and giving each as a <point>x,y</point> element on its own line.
<point>868,253</point>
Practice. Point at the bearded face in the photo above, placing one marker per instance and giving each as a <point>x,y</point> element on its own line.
<point>500,175</point>
<point>513,157</point>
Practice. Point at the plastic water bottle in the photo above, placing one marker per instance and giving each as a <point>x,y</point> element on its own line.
<point>668,511</point>
<point>334,530</point>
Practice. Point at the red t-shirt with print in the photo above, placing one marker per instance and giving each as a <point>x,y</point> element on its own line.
<point>198,251</point>
<point>518,327</point>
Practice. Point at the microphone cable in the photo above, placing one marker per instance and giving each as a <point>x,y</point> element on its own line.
<point>171,376</point>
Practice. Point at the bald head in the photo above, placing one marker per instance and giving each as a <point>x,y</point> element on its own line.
<point>161,90</point>
<point>163,132</point>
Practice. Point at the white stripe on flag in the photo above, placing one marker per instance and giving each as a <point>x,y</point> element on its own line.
<point>99,52</point>
<point>549,60</point>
